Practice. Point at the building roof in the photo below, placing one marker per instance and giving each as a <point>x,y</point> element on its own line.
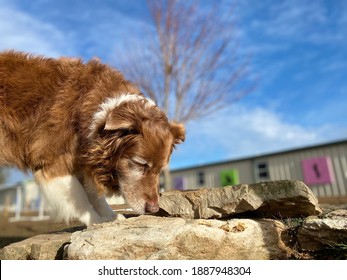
<point>343,141</point>
<point>22,183</point>
<point>7,187</point>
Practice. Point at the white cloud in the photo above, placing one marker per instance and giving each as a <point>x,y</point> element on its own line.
<point>295,18</point>
<point>260,128</point>
<point>88,34</point>
<point>269,126</point>
<point>315,22</point>
<point>22,31</point>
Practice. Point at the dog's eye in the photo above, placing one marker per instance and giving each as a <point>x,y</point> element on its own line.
<point>142,162</point>
<point>139,160</point>
<point>145,168</point>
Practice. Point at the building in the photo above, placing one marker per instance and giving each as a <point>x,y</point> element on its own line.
<point>322,167</point>
<point>23,194</point>
<point>23,200</point>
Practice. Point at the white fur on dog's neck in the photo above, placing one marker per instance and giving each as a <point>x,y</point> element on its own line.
<point>111,103</point>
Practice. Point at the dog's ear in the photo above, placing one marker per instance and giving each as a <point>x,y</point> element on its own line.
<point>117,122</point>
<point>178,132</point>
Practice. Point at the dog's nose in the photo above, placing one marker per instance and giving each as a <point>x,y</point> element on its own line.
<point>152,207</point>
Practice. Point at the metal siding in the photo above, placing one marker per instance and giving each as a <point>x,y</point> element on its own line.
<point>288,166</point>
<point>318,188</point>
<point>212,174</point>
<point>344,173</point>
<point>343,167</point>
<point>281,166</point>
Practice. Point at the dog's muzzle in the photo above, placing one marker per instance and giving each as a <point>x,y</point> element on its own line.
<point>152,207</point>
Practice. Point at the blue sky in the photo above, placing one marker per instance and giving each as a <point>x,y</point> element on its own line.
<point>297,50</point>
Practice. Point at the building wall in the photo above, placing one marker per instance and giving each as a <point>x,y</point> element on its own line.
<point>8,199</point>
<point>31,196</point>
<point>289,166</point>
<point>212,174</point>
<point>280,166</point>
<point>24,195</point>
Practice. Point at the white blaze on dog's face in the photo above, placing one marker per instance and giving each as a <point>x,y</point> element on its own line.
<point>143,141</point>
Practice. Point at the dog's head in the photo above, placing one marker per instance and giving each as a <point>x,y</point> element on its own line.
<point>133,142</point>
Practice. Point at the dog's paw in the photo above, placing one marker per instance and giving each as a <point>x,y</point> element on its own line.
<point>115,217</point>
<point>108,219</point>
<point>120,217</point>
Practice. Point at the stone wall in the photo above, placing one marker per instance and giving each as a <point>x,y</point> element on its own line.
<point>273,220</point>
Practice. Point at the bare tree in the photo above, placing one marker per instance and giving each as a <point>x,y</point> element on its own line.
<point>190,66</point>
<point>189,62</point>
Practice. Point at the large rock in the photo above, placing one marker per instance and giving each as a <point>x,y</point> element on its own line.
<point>269,199</point>
<point>148,237</point>
<point>40,247</point>
<point>194,234</point>
<point>324,233</point>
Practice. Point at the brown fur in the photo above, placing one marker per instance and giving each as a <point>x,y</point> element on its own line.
<point>46,109</point>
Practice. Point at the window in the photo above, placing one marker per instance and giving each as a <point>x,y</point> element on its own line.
<point>229,177</point>
<point>201,178</point>
<point>318,171</point>
<point>262,171</point>
<point>179,183</point>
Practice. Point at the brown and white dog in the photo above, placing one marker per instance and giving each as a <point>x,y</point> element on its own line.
<point>85,132</point>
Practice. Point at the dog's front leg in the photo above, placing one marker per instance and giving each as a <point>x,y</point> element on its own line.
<point>67,198</point>
<point>99,202</point>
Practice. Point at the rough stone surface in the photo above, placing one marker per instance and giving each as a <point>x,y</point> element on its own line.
<point>329,231</point>
<point>40,247</point>
<point>149,237</point>
<point>195,232</point>
<point>277,198</point>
